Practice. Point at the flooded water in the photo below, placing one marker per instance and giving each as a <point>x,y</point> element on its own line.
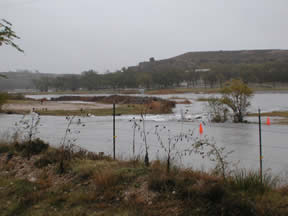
<point>243,139</point>
<point>266,101</point>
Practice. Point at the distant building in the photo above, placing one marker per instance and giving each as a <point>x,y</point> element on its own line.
<point>200,70</point>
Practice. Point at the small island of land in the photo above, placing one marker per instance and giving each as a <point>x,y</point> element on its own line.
<point>98,106</point>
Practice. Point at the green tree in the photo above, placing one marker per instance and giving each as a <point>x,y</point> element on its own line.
<point>42,84</point>
<point>236,95</point>
<point>144,79</point>
<point>3,99</point>
<point>90,79</point>
<point>7,35</point>
<point>217,110</point>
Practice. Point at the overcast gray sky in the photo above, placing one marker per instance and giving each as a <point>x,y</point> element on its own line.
<point>70,36</point>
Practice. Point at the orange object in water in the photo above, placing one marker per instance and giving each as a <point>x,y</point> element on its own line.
<point>200,129</point>
<point>268,121</point>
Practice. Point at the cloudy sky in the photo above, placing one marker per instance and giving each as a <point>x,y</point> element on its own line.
<point>70,36</point>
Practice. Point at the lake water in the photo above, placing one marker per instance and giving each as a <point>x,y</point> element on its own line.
<point>243,139</point>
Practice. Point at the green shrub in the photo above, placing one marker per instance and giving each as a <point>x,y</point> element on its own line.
<point>4,148</point>
<point>214,192</point>
<point>84,168</point>
<point>34,147</point>
<point>3,98</point>
<point>237,206</point>
<point>189,187</point>
<point>250,181</point>
<point>42,162</point>
<point>51,156</point>
<point>17,96</point>
<point>161,182</point>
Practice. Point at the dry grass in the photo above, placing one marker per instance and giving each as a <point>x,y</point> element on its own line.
<point>272,114</point>
<point>177,98</point>
<point>186,101</point>
<point>127,109</point>
<point>157,107</point>
<point>182,91</point>
<point>80,92</point>
<point>282,114</point>
<point>21,101</point>
<point>107,187</point>
<point>203,99</point>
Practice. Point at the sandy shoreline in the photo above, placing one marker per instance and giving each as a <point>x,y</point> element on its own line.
<point>53,105</point>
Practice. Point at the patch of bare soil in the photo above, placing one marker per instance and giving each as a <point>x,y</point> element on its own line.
<point>119,99</point>
<point>139,192</point>
<point>22,168</point>
<point>53,105</point>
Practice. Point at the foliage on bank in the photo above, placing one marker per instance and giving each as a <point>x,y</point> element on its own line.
<point>3,99</point>
<point>94,184</point>
<point>235,97</point>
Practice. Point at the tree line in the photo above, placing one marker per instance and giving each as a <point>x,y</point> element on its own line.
<point>157,75</point>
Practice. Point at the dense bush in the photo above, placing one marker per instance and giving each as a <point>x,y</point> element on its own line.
<point>17,96</point>
<point>3,98</point>
<point>250,181</point>
<point>4,148</point>
<point>33,147</point>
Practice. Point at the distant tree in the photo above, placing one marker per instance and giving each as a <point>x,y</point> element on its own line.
<point>211,78</point>
<point>191,77</point>
<point>42,84</point>
<point>90,79</point>
<point>72,82</point>
<point>217,110</point>
<point>144,79</point>
<point>220,78</point>
<point>7,35</point>
<point>3,76</point>
<point>236,95</point>
<point>3,99</point>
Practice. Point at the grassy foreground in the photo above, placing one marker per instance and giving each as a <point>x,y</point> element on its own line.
<point>93,184</point>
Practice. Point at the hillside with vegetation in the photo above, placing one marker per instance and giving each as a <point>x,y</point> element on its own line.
<point>190,70</point>
<point>22,80</point>
<point>195,69</point>
<point>234,57</point>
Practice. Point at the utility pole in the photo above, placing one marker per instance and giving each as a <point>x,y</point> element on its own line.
<point>114,136</point>
<point>260,146</point>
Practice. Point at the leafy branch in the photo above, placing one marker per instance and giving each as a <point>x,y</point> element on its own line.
<point>7,35</point>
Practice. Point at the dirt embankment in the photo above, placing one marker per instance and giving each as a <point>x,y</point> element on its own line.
<point>154,104</point>
<point>70,105</point>
<point>119,99</point>
<point>51,105</point>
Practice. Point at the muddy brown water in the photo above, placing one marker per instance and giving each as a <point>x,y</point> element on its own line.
<point>243,139</point>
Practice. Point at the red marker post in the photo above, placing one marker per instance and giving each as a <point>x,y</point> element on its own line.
<point>200,129</point>
<point>268,121</point>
